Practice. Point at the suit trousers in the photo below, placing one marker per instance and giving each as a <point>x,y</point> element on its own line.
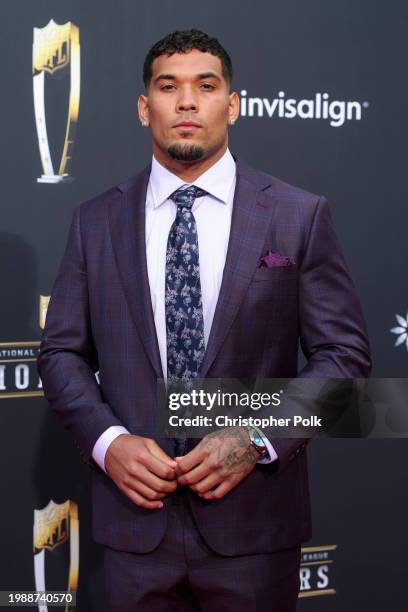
<point>183,574</point>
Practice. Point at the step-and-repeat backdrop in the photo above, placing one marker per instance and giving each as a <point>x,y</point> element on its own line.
<point>323,106</point>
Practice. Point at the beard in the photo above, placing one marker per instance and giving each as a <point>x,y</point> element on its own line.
<point>185,152</point>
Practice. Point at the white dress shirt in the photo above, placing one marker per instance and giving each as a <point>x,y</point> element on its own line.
<point>213,214</point>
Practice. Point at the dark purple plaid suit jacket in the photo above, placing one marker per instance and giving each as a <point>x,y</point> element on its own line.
<point>100,317</point>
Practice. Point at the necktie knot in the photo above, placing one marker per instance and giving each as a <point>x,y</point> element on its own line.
<point>184,197</point>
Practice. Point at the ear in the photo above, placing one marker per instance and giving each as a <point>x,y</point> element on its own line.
<point>233,107</point>
<point>143,110</point>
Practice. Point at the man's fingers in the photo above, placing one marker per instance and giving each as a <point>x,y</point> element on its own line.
<point>211,481</point>
<point>158,452</point>
<point>194,475</point>
<point>193,458</point>
<point>144,477</point>
<point>156,465</point>
<point>144,490</point>
<point>141,501</point>
<point>221,490</point>
<point>152,481</point>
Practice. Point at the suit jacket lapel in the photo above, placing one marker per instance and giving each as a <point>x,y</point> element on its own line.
<point>251,216</point>
<point>127,224</point>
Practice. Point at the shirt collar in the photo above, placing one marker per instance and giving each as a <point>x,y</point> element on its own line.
<point>217,180</point>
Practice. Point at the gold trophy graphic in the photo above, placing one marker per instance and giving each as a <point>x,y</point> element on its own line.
<point>43,306</point>
<point>53,525</point>
<point>56,51</point>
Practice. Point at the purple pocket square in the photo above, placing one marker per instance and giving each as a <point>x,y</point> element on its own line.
<point>273,258</point>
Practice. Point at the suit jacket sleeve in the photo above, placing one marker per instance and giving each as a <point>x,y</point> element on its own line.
<point>332,329</point>
<point>68,358</point>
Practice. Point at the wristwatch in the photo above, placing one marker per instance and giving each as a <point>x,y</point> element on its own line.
<point>257,441</point>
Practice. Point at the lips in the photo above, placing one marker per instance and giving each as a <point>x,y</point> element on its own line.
<point>187,124</point>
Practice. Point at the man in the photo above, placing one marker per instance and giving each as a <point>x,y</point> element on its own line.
<point>197,266</point>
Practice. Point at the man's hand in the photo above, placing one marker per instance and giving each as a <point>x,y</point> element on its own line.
<point>218,462</point>
<point>141,469</point>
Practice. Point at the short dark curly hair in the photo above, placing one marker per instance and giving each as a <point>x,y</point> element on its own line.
<point>182,41</point>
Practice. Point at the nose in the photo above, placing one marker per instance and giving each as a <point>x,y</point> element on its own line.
<point>187,100</point>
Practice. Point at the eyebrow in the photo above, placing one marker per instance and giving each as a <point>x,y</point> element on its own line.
<point>202,75</point>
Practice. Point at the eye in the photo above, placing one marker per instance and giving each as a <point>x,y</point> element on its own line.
<point>167,87</point>
<point>207,86</point>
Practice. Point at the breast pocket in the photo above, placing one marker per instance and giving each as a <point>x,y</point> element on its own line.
<point>275,274</point>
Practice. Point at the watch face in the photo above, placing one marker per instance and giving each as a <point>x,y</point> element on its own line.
<point>258,440</point>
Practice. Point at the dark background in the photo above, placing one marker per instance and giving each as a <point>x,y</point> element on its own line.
<point>354,50</point>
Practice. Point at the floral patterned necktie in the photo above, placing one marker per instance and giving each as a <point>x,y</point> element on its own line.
<point>183,304</point>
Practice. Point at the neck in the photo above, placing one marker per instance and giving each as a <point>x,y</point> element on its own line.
<point>188,171</point>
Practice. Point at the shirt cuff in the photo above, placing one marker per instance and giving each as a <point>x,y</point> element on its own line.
<point>105,440</point>
<point>271,455</point>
